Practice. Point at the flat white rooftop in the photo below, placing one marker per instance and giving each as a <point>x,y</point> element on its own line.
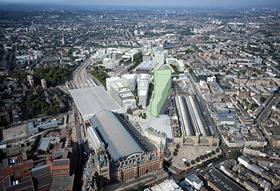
<point>161,124</point>
<point>90,101</point>
<point>143,93</point>
<point>167,185</point>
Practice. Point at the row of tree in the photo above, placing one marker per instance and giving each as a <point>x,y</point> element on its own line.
<point>202,157</point>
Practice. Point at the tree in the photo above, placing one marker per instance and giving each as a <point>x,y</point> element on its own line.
<point>262,99</point>
<point>187,163</point>
<point>167,152</point>
<point>36,104</point>
<point>19,74</point>
<point>191,71</point>
<point>100,74</point>
<point>144,116</point>
<point>175,69</point>
<point>70,53</point>
<point>192,162</point>
<point>197,159</point>
<point>54,75</point>
<point>129,111</point>
<point>234,154</point>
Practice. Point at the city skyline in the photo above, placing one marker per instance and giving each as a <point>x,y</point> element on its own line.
<point>154,3</point>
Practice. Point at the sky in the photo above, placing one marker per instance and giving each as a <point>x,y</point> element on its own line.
<point>174,3</point>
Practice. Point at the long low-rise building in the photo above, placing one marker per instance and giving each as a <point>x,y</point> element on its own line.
<point>193,127</point>
<point>146,67</point>
<point>90,101</point>
<point>190,116</point>
<point>184,116</point>
<point>220,182</point>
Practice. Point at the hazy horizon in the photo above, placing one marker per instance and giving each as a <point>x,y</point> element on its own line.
<point>160,3</point>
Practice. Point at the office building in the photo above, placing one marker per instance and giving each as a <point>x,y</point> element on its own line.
<point>162,89</point>
<point>121,93</point>
<point>110,81</point>
<point>220,182</point>
<point>129,80</point>
<point>143,89</point>
<point>109,63</point>
<point>179,64</point>
<point>160,57</point>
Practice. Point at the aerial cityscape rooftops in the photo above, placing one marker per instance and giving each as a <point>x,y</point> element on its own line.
<point>133,98</point>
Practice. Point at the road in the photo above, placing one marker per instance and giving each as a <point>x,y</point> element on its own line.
<point>274,100</point>
<point>131,37</point>
<point>82,77</point>
<point>78,159</point>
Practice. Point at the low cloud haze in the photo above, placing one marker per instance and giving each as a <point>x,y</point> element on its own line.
<point>185,3</point>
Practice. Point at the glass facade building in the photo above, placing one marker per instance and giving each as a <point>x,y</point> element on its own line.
<point>162,89</point>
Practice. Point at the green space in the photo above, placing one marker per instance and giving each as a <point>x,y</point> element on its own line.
<point>262,99</point>
<point>143,115</point>
<point>137,60</point>
<point>39,102</point>
<point>175,69</point>
<point>191,71</point>
<point>99,74</point>
<point>54,75</point>
<point>70,54</point>
<point>234,154</point>
<point>186,32</point>
<point>20,75</point>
